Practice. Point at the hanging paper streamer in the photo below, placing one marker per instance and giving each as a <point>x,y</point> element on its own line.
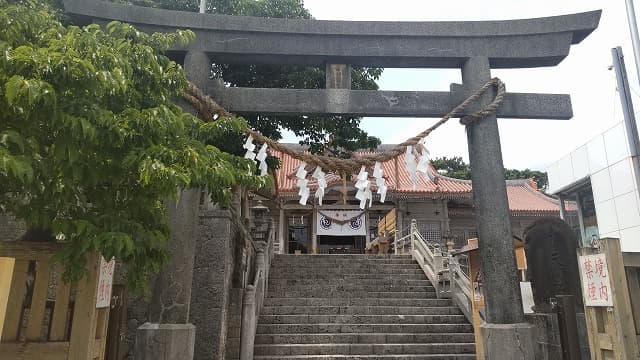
<point>412,167</point>
<point>304,192</point>
<point>319,175</point>
<point>262,157</point>
<point>378,172</point>
<point>364,190</point>
<point>423,164</point>
<point>250,146</point>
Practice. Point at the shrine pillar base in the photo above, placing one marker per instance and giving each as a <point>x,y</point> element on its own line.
<point>165,341</point>
<point>509,341</point>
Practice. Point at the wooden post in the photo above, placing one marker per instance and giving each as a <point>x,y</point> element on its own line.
<point>6,273</point>
<point>568,327</point>
<point>477,300</point>
<point>61,309</point>
<point>633,279</point>
<point>314,230</point>
<point>18,289</point>
<point>38,300</point>
<point>83,329</point>
<point>612,333</point>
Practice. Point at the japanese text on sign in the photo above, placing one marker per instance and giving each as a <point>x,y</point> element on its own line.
<point>105,282</point>
<point>596,286</point>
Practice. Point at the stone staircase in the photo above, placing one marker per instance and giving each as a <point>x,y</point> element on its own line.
<point>357,307</point>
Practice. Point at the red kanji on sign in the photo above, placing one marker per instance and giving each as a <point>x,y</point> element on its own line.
<point>604,292</point>
<point>588,269</point>
<point>591,292</point>
<point>600,268</point>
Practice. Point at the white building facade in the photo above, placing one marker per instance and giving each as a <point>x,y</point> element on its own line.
<point>600,176</point>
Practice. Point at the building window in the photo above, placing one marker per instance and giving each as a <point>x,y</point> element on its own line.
<point>431,232</point>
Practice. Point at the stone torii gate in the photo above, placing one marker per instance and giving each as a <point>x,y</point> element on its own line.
<point>475,47</point>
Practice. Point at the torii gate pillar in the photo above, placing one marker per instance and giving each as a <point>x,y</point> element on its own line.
<point>505,324</point>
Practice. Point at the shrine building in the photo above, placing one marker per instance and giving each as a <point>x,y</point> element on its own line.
<point>441,206</point>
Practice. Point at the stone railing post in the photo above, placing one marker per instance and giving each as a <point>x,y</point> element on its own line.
<point>247,332</point>
<point>412,231</point>
<point>395,242</point>
<point>437,261</point>
<point>261,272</point>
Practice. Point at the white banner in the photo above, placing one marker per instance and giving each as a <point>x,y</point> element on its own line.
<point>341,223</point>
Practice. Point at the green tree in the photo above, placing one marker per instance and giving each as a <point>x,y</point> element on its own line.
<point>539,177</point>
<point>91,143</point>
<point>453,167</point>
<point>456,168</point>
<point>336,134</point>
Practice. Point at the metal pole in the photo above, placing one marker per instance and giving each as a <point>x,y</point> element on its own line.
<point>203,6</point>
<point>633,29</point>
<point>627,110</point>
<point>563,210</point>
<point>625,99</point>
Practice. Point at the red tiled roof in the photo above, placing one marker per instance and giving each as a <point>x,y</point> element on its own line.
<point>523,197</point>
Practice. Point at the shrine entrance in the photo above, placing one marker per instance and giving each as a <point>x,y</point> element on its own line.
<point>328,244</point>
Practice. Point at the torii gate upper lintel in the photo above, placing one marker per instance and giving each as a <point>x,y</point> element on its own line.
<point>474,47</point>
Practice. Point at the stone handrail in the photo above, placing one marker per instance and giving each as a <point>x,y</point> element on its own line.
<point>441,268</point>
<point>254,295</point>
<point>429,257</point>
<point>460,287</point>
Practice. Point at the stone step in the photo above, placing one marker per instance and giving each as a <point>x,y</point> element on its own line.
<point>337,272</point>
<point>360,310</point>
<point>341,256</point>
<point>350,263</point>
<point>340,271</point>
<point>348,281</point>
<point>320,262</point>
<point>322,288</point>
<point>362,319</point>
<point>357,307</point>
<point>357,294</point>
<point>363,338</point>
<point>354,301</point>
<point>323,260</point>
<point>363,349</point>
<point>348,276</point>
<point>369,357</point>
<point>362,328</point>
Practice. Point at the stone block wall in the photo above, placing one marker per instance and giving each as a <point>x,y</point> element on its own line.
<point>10,228</point>
<point>232,348</point>
<point>549,345</point>
<point>214,263</point>
<point>221,260</point>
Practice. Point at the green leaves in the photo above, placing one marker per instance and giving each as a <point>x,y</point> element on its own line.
<point>339,134</point>
<point>456,168</point>
<point>21,93</point>
<point>90,142</point>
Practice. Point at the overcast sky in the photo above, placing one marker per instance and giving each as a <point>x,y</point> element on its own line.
<point>525,143</point>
